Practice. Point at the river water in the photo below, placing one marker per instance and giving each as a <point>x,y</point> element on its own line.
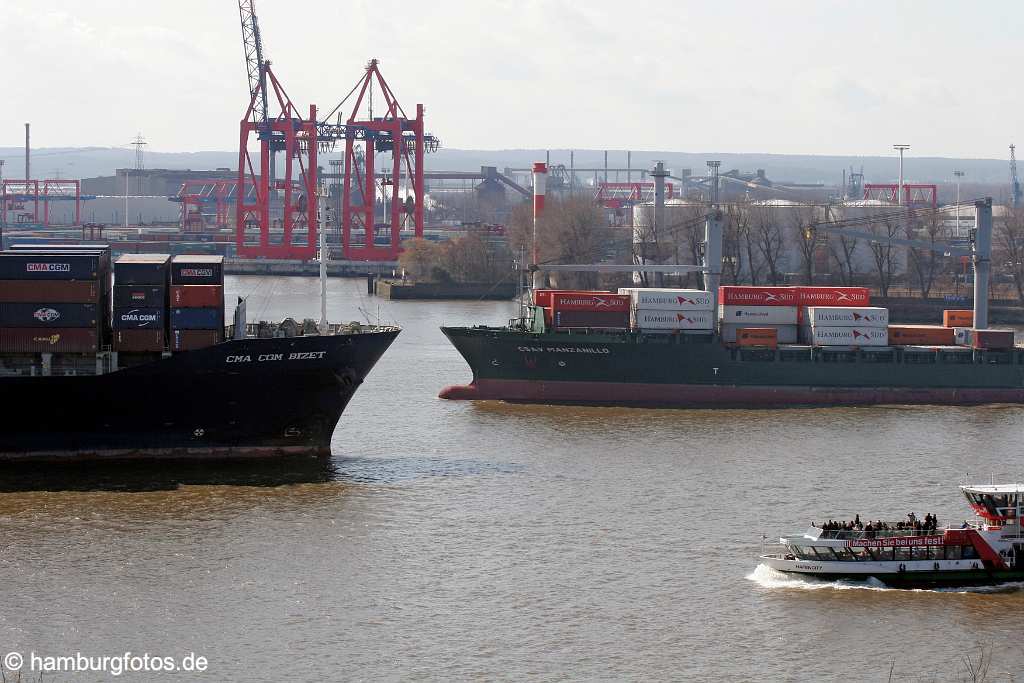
<point>457,541</point>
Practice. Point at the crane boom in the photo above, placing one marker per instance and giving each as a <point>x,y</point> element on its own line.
<point>1015,193</point>
<point>254,62</point>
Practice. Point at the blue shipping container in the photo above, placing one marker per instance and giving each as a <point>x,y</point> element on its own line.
<point>49,315</point>
<point>197,318</point>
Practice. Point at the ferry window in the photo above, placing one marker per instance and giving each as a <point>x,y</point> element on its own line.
<point>881,554</point>
<point>969,553</point>
<point>935,552</point>
<point>952,552</point>
<point>919,552</point>
<point>844,554</point>
<point>903,554</point>
<point>825,553</point>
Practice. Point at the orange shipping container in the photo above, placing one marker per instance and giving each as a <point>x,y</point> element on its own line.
<point>921,335</point>
<point>958,318</point>
<point>757,336</point>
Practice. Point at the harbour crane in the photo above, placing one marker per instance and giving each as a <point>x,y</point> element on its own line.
<point>255,64</point>
<point>1015,193</point>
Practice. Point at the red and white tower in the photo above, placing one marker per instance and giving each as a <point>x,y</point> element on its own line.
<point>540,183</point>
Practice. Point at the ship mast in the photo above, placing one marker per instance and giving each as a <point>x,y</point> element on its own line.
<point>323,256</point>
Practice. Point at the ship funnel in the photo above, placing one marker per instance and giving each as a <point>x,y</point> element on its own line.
<point>540,186</point>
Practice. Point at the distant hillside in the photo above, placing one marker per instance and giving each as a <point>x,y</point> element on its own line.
<point>84,162</point>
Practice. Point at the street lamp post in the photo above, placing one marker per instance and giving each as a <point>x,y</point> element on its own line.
<point>899,187</point>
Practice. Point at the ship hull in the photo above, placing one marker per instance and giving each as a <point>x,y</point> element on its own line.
<point>675,370</point>
<point>249,398</point>
<point>914,575</point>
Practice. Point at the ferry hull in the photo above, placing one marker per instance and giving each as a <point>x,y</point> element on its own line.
<point>676,370</point>
<point>251,398</point>
<point>913,577</point>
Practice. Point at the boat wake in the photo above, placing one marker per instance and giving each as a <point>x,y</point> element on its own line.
<point>766,577</point>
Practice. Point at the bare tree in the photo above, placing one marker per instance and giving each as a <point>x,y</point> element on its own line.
<point>807,241</point>
<point>1009,247</point>
<point>842,249</point>
<point>925,263</point>
<point>882,252</point>
<point>768,239</point>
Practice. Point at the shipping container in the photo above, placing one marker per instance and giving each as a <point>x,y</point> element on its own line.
<point>784,334</point>
<point>50,291</point>
<point>756,315</point>
<point>138,318</point>
<point>142,269</point>
<point>589,301</point>
<point>197,296</point>
<point>190,340</point>
<point>40,266</point>
<point>930,335</point>
<point>834,296</point>
<point>668,299</point>
<point>992,339</point>
<point>839,316</point>
<point>952,318</point>
<point>850,336</point>
<point>56,340</point>
<point>197,269</point>
<point>591,318</point>
<point>745,295</point>
<point>51,315</point>
<point>673,320</point>
<point>542,297</point>
<point>145,296</point>
<point>962,336</point>
<point>139,341</point>
<point>197,318</point>
<point>757,336</point>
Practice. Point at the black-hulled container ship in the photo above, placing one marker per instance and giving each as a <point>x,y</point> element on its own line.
<point>132,360</point>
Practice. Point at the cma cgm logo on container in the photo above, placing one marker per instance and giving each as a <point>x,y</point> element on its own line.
<point>50,339</point>
<point>197,272</point>
<point>48,267</point>
<point>135,317</point>
<point>46,315</point>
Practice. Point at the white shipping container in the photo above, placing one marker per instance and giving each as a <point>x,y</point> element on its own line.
<point>669,299</point>
<point>962,336</point>
<point>849,336</point>
<point>840,316</point>
<point>645,319</point>
<point>758,316</point>
<point>785,334</point>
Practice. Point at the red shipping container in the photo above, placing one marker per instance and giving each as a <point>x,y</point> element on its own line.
<point>924,335</point>
<point>591,319</point>
<point>992,339</point>
<point>957,318</point>
<point>742,295</point>
<point>190,340</point>
<point>590,301</point>
<point>50,291</point>
<point>542,297</point>
<point>833,296</point>
<point>54,340</point>
<point>757,336</point>
<point>139,340</point>
<point>197,296</point>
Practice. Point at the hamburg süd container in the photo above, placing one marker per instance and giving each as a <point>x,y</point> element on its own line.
<point>55,340</point>
<point>40,266</point>
<point>591,318</point>
<point>542,297</point>
<point>190,340</point>
<point>673,320</point>
<point>840,316</point>
<point>50,291</point>
<point>51,315</point>
<point>142,269</point>
<point>145,296</point>
<point>923,335</point>
<point>197,318</point>
<point>992,339</point>
<point>958,318</point>
<point>784,334</point>
<point>589,301</point>
<point>834,296</point>
<point>197,269</point>
<point>197,296</point>
<point>849,336</point>
<point>139,341</point>
<point>668,299</point>
<point>757,315</point>
<point>138,318</point>
<point>746,295</point>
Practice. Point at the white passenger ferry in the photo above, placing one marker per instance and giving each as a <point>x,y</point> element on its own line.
<point>987,551</point>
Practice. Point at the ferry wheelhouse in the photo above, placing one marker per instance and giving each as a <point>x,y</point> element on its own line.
<point>987,551</point>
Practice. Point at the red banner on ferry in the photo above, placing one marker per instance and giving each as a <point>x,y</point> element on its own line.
<point>897,541</point>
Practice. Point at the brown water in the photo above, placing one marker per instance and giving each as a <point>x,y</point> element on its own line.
<point>459,541</point>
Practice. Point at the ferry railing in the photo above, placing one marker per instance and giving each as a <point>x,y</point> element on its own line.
<point>857,534</point>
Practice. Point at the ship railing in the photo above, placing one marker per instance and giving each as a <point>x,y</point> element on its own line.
<point>857,534</point>
<point>268,329</point>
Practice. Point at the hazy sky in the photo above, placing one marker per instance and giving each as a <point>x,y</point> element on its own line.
<point>782,77</point>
